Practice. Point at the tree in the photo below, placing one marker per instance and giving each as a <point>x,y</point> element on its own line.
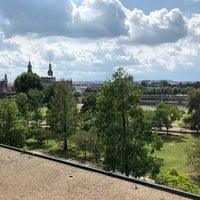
<point>22,104</point>
<point>49,93</point>
<point>89,102</point>
<point>193,104</point>
<point>173,178</point>
<point>39,133</point>
<point>12,127</point>
<point>88,111</point>
<point>193,156</point>
<point>88,142</point>
<point>35,98</point>
<point>128,140</point>
<point>62,114</point>
<point>165,114</point>
<point>26,81</point>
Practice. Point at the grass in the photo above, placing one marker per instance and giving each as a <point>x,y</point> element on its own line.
<point>54,148</point>
<point>174,151</point>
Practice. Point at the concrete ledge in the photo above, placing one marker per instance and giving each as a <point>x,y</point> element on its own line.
<point>107,173</point>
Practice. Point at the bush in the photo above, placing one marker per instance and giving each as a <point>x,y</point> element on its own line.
<point>178,180</point>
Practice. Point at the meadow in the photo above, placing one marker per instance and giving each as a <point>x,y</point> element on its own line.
<point>174,153</point>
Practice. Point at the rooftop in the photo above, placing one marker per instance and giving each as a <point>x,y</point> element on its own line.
<point>24,176</point>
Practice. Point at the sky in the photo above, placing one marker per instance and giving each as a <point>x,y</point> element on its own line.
<point>87,40</point>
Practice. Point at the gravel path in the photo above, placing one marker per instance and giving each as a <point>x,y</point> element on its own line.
<point>27,177</point>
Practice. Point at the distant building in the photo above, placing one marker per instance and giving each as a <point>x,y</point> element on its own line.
<point>29,67</point>
<point>3,84</point>
<point>6,89</point>
<point>47,80</point>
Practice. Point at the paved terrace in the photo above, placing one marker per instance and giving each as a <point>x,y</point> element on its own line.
<point>27,177</point>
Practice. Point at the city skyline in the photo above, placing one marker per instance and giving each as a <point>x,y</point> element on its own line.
<point>87,40</point>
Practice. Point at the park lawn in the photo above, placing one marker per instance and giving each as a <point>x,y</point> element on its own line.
<point>55,149</point>
<point>173,152</point>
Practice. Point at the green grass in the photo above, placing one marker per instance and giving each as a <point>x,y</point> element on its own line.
<point>174,151</point>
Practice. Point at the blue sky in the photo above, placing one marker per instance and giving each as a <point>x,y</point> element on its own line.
<point>87,40</point>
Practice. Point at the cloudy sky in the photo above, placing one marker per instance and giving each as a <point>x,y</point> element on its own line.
<point>87,40</point>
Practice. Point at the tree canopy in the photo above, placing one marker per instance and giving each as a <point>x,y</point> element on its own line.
<point>173,178</point>
<point>26,81</point>
<point>165,114</point>
<point>127,138</point>
<point>13,127</point>
<point>193,156</point>
<point>193,104</point>
<point>62,113</point>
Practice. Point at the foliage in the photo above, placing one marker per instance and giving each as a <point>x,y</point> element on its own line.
<point>193,104</point>
<point>88,111</point>
<point>35,98</point>
<point>22,104</point>
<point>128,139</point>
<point>165,114</point>
<point>12,127</point>
<point>165,88</point>
<point>49,92</point>
<point>193,156</point>
<point>39,133</point>
<point>89,102</point>
<point>178,180</point>
<point>62,114</point>
<point>88,142</point>
<point>26,81</point>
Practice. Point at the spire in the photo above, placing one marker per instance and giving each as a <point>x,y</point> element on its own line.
<point>6,78</point>
<point>50,72</point>
<point>29,66</point>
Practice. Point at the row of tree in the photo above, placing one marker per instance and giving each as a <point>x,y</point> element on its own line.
<point>164,87</point>
<point>110,124</point>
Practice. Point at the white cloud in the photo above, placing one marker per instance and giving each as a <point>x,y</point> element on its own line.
<point>93,18</point>
<point>45,17</point>
<point>89,40</point>
<point>194,27</point>
<point>99,18</point>
<point>159,27</point>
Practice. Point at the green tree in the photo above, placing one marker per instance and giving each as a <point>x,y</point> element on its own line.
<point>13,128</point>
<point>22,104</point>
<point>49,93</point>
<point>165,115</point>
<point>193,156</point>
<point>89,102</point>
<point>39,133</point>
<point>193,104</point>
<point>62,114</point>
<point>87,114</point>
<point>35,98</point>
<point>128,140</point>
<point>26,81</point>
<point>87,143</point>
<point>178,180</point>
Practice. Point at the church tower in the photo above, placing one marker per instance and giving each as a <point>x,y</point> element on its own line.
<point>48,80</point>
<point>50,72</point>
<point>29,67</point>
<point>6,79</point>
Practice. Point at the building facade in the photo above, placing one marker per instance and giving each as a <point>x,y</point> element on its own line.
<point>4,84</point>
<point>47,80</point>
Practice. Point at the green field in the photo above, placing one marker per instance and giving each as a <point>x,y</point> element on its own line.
<point>174,151</point>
